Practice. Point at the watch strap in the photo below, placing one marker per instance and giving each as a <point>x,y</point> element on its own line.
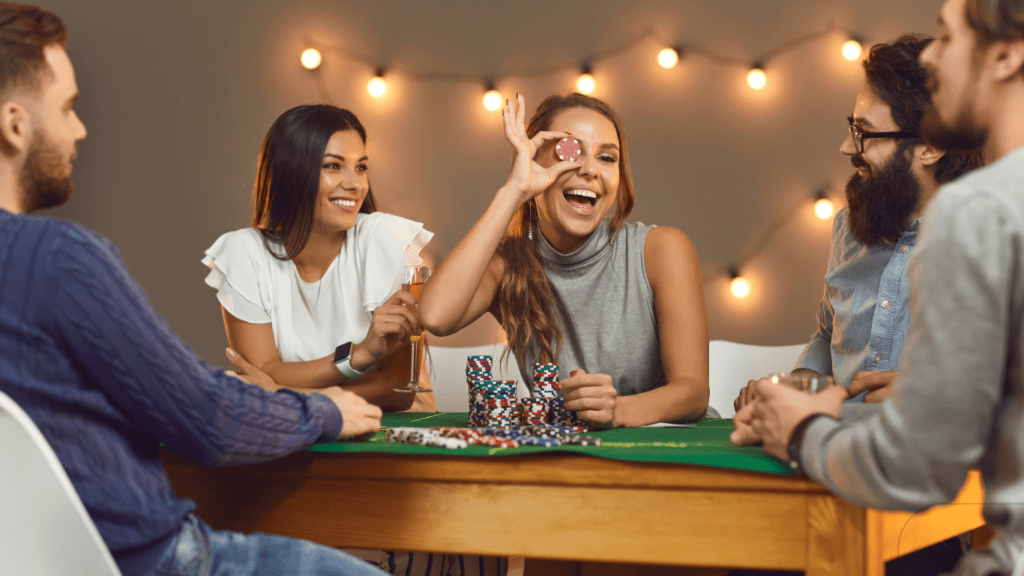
<point>343,361</point>
<point>796,440</point>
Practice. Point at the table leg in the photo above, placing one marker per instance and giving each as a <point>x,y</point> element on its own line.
<point>842,539</point>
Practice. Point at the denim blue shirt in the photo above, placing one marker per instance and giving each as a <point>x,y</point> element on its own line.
<point>864,314</point>
<point>106,380</point>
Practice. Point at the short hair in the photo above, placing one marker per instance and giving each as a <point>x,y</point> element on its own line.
<point>895,74</point>
<point>994,20</point>
<point>24,32</point>
<point>288,174</point>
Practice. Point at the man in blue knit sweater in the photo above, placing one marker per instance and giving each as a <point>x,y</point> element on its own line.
<point>103,376</point>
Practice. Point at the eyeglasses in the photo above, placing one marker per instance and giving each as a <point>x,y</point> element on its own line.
<point>859,135</point>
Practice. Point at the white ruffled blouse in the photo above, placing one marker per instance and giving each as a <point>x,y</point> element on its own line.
<point>310,319</point>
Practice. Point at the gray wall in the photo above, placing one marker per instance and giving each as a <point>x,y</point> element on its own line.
<point>178,95</point>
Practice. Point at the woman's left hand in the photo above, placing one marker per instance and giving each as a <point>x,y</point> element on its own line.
<point>251,374</point>
<point>592,396</point>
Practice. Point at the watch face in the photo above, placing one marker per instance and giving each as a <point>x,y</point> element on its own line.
<point>342,353</point>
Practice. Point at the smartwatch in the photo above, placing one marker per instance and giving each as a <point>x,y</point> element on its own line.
<point>343,361</point>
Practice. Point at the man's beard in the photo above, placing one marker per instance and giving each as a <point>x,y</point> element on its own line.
<point>882,202</point>
<point>964,134</point>
<point>43,182</point>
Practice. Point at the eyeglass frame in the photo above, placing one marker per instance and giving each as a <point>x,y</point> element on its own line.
<point>859,135</point>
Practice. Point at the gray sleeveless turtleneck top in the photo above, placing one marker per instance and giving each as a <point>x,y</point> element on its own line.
<point>609,325</point>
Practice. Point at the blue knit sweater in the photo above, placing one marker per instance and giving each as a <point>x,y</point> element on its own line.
<point>106,381</point>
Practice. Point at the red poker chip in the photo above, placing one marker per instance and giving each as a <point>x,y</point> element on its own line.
<point>568,149</point>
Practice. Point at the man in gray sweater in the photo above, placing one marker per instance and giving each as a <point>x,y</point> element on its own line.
<point>959,401</point>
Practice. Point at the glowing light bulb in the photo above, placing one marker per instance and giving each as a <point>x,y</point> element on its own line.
<point>668,58</point>
<point>586,84</point>
<point>852,50</point>
<point>311,58</point>
<point>377,87</point>
<point>492,100</point>
<point>740,287</point>
<point>823,208</point>
<point>756,78</point>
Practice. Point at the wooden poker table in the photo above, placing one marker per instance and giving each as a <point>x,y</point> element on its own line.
<point>646,496</point>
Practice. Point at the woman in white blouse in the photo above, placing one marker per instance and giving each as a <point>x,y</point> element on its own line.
<point>310,292</point>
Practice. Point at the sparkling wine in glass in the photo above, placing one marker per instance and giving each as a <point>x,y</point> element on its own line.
<point>414,279</point>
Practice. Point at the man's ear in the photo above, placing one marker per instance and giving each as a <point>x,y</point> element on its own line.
<point>15,127</point>
<point>1009,58</point>
<point>928,154</point>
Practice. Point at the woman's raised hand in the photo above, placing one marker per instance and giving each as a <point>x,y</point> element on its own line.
<point>528,178</point>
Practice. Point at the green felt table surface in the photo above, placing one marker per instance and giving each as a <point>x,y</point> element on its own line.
<point>706,444</point>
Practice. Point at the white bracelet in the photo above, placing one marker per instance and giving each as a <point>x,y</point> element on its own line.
<point>345,367</point>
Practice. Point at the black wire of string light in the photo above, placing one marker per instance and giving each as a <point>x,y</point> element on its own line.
<point>576,64</point>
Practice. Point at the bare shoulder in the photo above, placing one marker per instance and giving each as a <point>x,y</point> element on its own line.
<point>668,246</point>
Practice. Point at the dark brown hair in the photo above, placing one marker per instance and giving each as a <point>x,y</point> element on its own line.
<point>24,32</point>
<point>525,300</point>
<point>994,20</point>
<point>288,174</point>
<point>895,75</point>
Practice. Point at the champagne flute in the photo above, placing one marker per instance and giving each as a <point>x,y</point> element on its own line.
<point>415,278</point>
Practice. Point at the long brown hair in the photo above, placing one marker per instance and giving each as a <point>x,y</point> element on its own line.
<point>526,302</point>
<point>288,174</point>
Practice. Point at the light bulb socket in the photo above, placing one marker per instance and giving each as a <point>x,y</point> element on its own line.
<point>733,271</point>
<point>820,194</point>
<point>759,65</point>
<point>586,66</point>
<point>379,71</point>
<point>490,84</point>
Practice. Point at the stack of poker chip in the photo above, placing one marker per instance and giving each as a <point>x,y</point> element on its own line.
<point>499,403</point>
<point>545,380</point>
<point>545,386</point>
<point>491,402</point>
<point>534,411</point>
<point>478,377</point>
<point>537,408</point>
<point>559,415</point>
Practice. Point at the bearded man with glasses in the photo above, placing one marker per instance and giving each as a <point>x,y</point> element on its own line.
<point>864,313</point>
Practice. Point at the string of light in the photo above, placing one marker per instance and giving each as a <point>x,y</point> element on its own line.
<point>586,83</point>
<point>741,286</point>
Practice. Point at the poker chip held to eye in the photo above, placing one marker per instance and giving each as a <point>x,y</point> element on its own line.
<point>568,149</point>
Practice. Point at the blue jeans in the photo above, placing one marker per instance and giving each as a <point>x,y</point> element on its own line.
<point>200,550</point>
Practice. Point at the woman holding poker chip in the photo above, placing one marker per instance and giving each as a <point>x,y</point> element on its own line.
<point>310,292</point>
<point>618,306</point>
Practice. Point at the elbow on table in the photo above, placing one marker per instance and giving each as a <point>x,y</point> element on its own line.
<point>697,407</point>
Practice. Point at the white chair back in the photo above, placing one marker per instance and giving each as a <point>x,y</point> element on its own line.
<point>44,528</point>
<point>731,365</point>
<point>447,368</point>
